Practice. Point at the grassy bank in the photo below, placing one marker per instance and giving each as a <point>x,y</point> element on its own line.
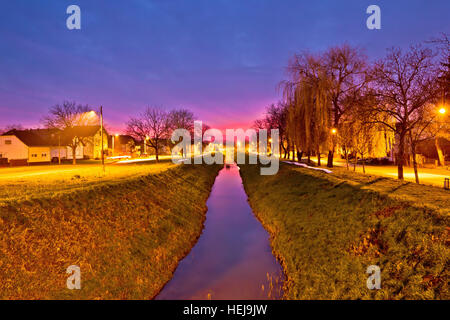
<point>127,236</point>
<point>46,180</point>
<point>326,229</point>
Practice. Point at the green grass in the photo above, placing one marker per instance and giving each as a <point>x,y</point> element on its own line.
<point>326,229</point>
<point>127,236</point>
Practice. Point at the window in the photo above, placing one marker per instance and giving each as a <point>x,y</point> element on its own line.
<point>8,142</point>
<point>43,155</point>
<point>34,155</point>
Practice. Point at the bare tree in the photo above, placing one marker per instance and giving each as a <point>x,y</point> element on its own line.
<point>69,115</point>
<point>182,119</point>
<point>347,71</point>
<point>345,137</point>
<point>363,140</point>
<point>259,124</point>
<point>276,119</point>
<point>10,127</point>
<point>404,84</point>
<point>443,132</point>
<point>152,127</point>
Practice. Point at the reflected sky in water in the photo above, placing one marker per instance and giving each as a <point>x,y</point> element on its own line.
<point>232,259</point>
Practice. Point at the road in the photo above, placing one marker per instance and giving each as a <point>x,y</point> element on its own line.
<point>426,175</point>
<point>82,168</point>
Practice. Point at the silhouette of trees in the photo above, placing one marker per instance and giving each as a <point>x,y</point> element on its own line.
<point>337,98</point>
<point>68,115</point>
<point>152,127</point>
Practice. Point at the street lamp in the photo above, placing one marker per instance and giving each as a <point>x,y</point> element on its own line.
<point>442,110</point>
<point>145,145</point>
<point>101,133</point>
<point>333,131</point>
<point>113,138</point>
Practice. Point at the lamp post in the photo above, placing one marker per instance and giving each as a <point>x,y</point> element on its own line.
<point>101,135</point>
<point>113,138</point>
<point>145,145</point>
<point>59,148</point>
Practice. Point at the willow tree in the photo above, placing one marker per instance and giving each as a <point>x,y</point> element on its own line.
<point>309,103</point>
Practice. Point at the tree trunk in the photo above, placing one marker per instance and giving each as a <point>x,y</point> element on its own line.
<point>299,155</point>
<point>284,151</point>
<point>74,156</point>
<point>157,151</point>
<point>401,155</point>
<point>363,163</point>
<point>441,159</point>
<point>318,158</point>
<point>309,157</point>
<point>330,159</point>
<point>416,172</point>
<point>414,158</point>
<point>346,158</point>
<point>354,162</point>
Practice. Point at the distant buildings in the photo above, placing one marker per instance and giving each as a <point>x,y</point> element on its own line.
<point>21,147</point>
<point>123,145</point>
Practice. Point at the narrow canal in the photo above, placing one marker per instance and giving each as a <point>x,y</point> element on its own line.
<point>232,258</point>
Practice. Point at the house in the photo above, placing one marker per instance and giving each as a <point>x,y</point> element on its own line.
<point>30,146</point>
<point>88,141</point>
<point>22,147</point>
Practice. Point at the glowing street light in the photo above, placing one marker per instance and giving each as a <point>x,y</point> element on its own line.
<point>113,138</point>
<point>145,144</point>
<point>333,131</point>
<point>442,110</point>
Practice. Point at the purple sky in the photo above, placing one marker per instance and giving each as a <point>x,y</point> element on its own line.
<point>222,59</point>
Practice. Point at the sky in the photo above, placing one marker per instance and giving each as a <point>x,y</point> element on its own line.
<point>222,59</point>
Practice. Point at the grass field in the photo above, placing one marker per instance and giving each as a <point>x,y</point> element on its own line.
<point>326,229</point>
<point>47,180</point>
<point>127,231</point>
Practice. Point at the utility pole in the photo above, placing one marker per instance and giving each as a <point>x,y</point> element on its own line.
<point>112,153</point>
<point>101,133</point>
<point>59,148</point>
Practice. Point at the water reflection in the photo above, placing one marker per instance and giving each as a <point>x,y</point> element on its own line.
<point>232,258</point>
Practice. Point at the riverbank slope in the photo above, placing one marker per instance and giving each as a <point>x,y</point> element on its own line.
<point>326,229</point>
<point>127,237</point>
